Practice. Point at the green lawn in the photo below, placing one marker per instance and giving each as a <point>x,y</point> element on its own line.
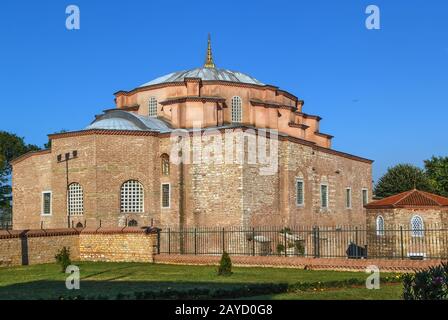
<point>386,292</point>
<point>109,279</point>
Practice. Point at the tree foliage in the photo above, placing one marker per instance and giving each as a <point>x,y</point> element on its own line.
<point>401,178</point>
<point>437,171</point>
<point>11,147</point>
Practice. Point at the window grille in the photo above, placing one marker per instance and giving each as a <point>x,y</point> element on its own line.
<point>132,197</point>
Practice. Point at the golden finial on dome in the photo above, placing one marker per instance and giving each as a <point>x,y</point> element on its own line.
<point>209,58</point>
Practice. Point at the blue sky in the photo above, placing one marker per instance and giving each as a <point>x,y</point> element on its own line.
<point>382,93</point>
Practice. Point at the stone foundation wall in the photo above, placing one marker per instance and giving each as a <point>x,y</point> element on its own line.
<point>36,247</point>
<point>117,247</point>
<point>40,246</point>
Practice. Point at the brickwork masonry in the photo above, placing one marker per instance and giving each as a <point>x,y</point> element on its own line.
<point>40,246</point>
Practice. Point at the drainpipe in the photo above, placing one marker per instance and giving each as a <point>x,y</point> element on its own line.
<point>181,205</point>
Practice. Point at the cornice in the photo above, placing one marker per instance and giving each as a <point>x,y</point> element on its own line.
<point>203,99</point>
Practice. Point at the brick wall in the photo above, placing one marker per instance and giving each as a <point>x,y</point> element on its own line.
<point>211,194</point>
<point>397,239</point>
<point>39,246</point>
<point>30,178</point>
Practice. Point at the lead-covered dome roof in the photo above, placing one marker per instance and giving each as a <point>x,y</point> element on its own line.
<point>206,74</point>
<point>123,120</point>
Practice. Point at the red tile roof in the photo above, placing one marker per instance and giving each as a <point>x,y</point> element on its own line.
<point>412,198</point>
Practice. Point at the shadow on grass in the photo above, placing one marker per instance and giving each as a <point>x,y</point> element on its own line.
<point>94,289</point>
<point>92,275</point>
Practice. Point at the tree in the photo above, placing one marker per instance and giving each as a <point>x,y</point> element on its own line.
<point>11,146</point>
<point>401,178</point>
<point>437,171</point>
<point>225,265</point>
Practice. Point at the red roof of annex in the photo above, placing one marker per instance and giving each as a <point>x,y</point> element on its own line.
<point>411,198</point>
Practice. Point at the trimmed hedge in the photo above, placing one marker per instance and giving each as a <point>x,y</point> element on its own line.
<point>233,292</point>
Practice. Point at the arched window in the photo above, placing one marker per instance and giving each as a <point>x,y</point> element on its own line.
<point>417,227</point>
<point>152,107</point>
<point>165,164</point>
<point>75,199</point>
<point>237,110</point>
<point>132,197</point>
<point>132,223</point>
<point>380,226</point>
<point>79,225</point>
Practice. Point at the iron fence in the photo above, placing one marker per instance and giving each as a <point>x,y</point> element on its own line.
<point>319,242</point>
<point>5,225</point>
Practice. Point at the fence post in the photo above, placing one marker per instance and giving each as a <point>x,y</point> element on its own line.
<point>356,241</point>
<point>195,242</point>
<point>253,241</point>
<point>286,242</point>
<point>169,240</point>
<point>158,241</point>
<point>223,240</point>
<point>316,242</point>
<point>401,243</point>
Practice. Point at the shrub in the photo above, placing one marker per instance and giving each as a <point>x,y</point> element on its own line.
<point>286,230</point>
<point>63,258</point>
<point>429,284</point>
<point>225,265</point>
<point>300,247</point>
<point>280,248</point>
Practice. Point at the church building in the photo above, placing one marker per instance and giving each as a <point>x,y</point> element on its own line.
<point>119,170</point>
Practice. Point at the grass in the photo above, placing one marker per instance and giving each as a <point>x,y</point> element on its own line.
<point>386,292</point>
<point>109,279</point>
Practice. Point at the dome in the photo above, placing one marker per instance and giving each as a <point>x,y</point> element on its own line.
<point>206,74</point>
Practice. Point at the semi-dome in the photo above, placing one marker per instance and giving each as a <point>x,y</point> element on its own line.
<point>113,124</point>
<point>208,72</point>
<point>123,120</point>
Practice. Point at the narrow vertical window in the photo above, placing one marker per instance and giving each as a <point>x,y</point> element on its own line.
<point>324,196</point>
<point>165,164</point>
<point>46,203</point>
<point>237,112</point>
<point>75,199</point>
<point>417,227</point>
<point>380,226</point>
<point>166,195</point>
<point>152,107</point>
<point>299,193</point>
<point>348,198</point>
<point>365,197</point>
